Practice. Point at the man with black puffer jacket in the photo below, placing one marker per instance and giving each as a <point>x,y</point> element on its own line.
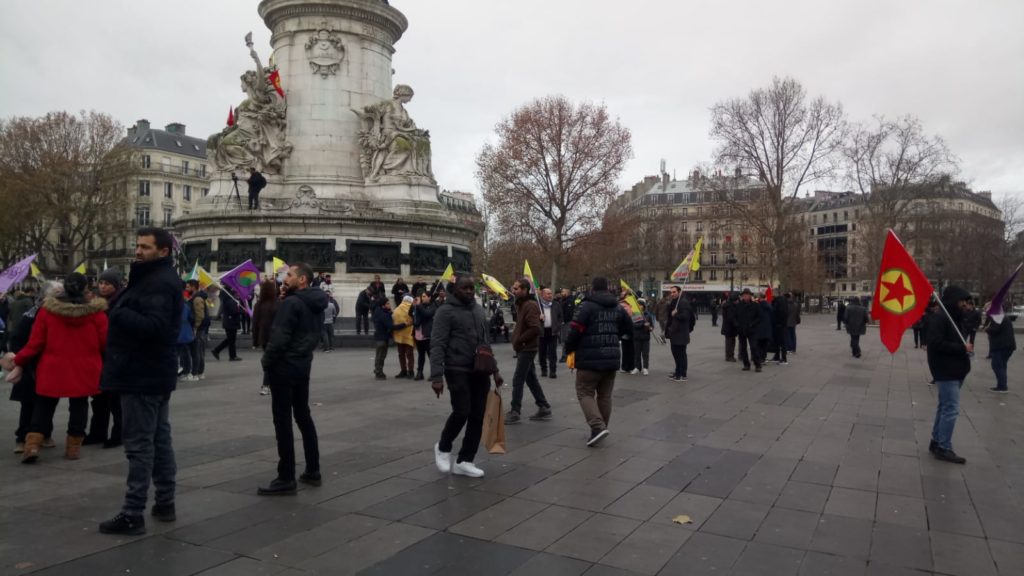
<point>141,364</point>
<point>594,336</point>
<point>287,362</point>
<point>949,361</point>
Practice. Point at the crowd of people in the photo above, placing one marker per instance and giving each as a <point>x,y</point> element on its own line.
<point>125,345</point>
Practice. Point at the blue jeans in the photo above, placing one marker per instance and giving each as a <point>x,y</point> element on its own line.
<point>146,432</point>
<point>526,373</point>
<point>999,360</point>
<point>946,412</point>
<point>791,338</point>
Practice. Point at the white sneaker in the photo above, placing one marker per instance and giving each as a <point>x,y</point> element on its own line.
<point>635,371</point>
<point>645,372</point>
<point>201,377</point>
<point>264,390</point>
<point>442,459</point>
<point>467,469</point>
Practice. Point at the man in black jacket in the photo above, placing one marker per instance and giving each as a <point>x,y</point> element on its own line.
<point>949,361</point>
<point>231,321</point>
<point>594,336</point>
<point>747,321</point>
<point>729,327</point>
<point>287,362</point>
<point>256,183</point>
<point>142,365</point>
<point>363,302</point>
<point>780,309</point>
<point>681,321</point>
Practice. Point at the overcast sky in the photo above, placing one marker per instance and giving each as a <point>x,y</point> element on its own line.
<point>658,66</point>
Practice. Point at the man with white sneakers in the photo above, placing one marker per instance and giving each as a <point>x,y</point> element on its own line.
<point>460,328</point>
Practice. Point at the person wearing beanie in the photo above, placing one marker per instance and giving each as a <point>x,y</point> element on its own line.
<point>403,334</point>
<point>67,344</point>
<point>106,406</point>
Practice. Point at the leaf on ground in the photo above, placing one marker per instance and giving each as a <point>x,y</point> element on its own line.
<point>682,519</point>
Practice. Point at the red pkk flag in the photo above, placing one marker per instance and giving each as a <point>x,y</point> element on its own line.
<point>901,293</point>
<point>231,116</point>
<point>769,295</point>
<point>275,81</point>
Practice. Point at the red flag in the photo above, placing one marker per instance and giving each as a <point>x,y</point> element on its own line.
<point>231,116</point>
<point>768,295</point>
<point>901,293</point>
<point>275,80</point>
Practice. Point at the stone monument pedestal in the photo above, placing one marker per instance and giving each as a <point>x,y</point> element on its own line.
<point>350,189</point>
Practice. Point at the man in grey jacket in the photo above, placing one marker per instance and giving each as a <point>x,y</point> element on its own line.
<point>460,327</point>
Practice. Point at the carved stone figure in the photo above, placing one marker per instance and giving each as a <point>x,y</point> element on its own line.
<point>257,139</point>
<point>391,143</point>
<point>324,51</point>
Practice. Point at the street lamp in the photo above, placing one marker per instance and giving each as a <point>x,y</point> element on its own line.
<point>731,263</point>
<point>650,285</point>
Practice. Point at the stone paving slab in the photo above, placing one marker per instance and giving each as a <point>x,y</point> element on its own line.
<point>817,467</point>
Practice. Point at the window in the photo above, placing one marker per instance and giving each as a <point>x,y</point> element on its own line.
<point>684,226</point>
<point>146,161</point>
<point>205,191</point>
<point>142,216</point>
<point>714,259</point>
<point>168,216</point>
<point>714,276</point>
<point>202,169</point>
<point>686,211</point>
<point>846,215</point>
<point>168,190</point>
<point>700,226</point>
<point>184,167</point>
<point>143,187</point>
<point>700,210</point>
<point>677,198</point>
<point>186,193</point>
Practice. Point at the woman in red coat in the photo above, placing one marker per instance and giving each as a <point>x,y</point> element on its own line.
<point>68,339</point>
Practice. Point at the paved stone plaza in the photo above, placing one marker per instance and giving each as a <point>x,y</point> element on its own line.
<point>818,467</point>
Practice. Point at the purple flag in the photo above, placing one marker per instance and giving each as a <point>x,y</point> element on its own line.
<point>995,309</point>
<point>16,273</point>
<point>242,280</point>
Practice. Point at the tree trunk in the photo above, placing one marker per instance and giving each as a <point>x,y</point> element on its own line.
<point>554,272</point>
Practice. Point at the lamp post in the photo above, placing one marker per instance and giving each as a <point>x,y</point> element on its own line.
<point>731,263</point>
<point>650,284</point>
<point>939,265</point>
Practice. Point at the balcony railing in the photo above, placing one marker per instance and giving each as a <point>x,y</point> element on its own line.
<point>178,170</point>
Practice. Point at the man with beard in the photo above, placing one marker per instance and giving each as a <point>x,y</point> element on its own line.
<point>287,362</point>
<point>748,318</point>
<point>141,364</point>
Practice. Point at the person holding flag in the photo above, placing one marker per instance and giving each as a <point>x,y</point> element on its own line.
<point>999,328</point>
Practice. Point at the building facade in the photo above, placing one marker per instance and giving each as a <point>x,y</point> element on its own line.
<point>170,174</point>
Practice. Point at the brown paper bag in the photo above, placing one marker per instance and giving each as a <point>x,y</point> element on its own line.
<point>494,425</point>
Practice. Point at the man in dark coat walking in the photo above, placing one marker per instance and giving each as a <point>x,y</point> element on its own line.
<point>780,315</point>
<point>681,321</point>
<point>142,365</point>
<point>287,362</point>
<point>594,336</point>
<point>231,321</point>
<point>856,319</point>
<point>840,314</point>
<point>729,327</point>
<point>526,341</point>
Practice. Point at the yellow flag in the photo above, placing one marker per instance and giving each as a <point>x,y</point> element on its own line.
<point>81,268</point>
<point>494,286</point>
<point>278,264</point>
<point>36,273</point>
<point>682,272</point>
<point>204,277</point>
<point>449,274</point>
<point>529,273</point>
<point>695,263</point>
<point>630,298</point>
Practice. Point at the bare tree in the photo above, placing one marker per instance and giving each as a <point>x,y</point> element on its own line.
<point>785,140</point>
<point>893,164</point>
<point>63,176</point>
<point>553,172</point>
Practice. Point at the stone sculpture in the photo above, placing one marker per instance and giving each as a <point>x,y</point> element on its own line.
<point>325,51</point>
<point>257,138</point>
<point>391,143</point>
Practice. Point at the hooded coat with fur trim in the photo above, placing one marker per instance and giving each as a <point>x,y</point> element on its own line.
<point>69,341</point>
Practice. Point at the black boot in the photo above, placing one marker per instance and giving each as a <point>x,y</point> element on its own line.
<point>277,487</point>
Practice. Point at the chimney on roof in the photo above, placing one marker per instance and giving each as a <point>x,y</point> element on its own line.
<point>664,180</point>
<point>176,128</point>
<point>142,125</point>
<point>985,194</point>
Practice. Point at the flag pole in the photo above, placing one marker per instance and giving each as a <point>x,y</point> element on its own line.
<point>953,322</point>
